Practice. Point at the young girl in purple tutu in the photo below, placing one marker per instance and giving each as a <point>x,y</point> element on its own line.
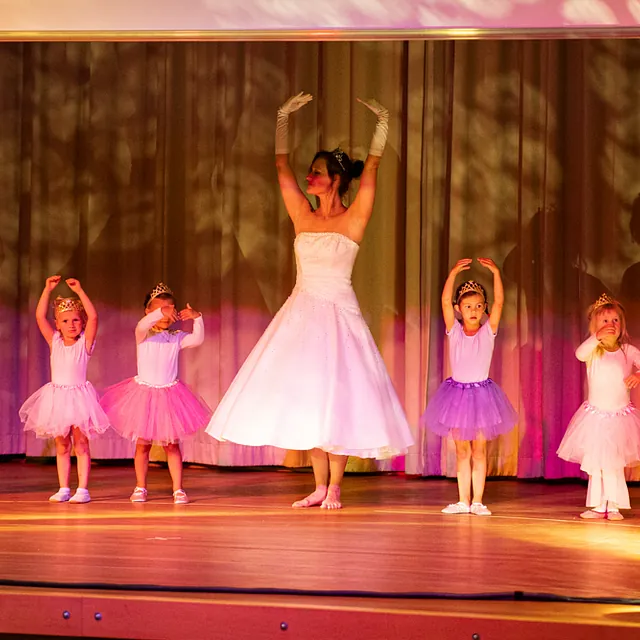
<point>469,406</point>
<point>155,406</point>
<point>67,407</point>
<point>604,434</point>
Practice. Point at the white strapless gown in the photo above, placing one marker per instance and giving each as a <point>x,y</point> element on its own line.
<point>316,378</point>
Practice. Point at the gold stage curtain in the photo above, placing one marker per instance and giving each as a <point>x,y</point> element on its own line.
<point>127,163</point>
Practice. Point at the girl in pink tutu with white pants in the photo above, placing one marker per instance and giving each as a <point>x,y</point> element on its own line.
<point>604,434</point>
<point>67,407</point>
<point>155,406</point>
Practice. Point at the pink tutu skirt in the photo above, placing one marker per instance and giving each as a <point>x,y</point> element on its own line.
<point>160,414</point>
<point>54,409</point>
<point>602,440</point>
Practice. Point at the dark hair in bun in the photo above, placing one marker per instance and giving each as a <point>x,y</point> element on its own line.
<point>340,164</point>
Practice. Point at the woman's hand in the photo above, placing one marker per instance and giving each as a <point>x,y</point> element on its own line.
<point>374,106</point>
<point>295,102</point>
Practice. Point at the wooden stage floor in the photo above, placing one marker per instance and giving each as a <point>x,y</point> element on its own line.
<point>239,535</point>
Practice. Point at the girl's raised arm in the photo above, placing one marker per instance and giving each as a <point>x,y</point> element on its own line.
<point>448,312</point>
<point>91,328</point>
<point>42,309</point>
<point>498,293</point>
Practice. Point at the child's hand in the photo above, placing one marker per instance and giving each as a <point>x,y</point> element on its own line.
<point>74,285</point>
<point>169,311</point>
<point>606,330</point>
<point>52,282</point>
<point>633,381</point>
<point>489,264</point>
<point>189,313</point>
<point>461,265</point>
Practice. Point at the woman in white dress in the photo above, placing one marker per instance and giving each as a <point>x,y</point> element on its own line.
<point>316,380</point>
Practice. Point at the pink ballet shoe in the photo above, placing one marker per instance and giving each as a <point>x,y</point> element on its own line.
<point>458,507</point>
<point>180,497</point>
<point>81,496</point>
<point>61,495</point>
<point>590,514</point>
<point>478,509</point>
<point>139,495</point>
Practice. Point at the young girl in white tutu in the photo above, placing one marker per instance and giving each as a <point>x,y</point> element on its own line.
<point>67,407</point>
<point>604,434</point>
<point>316,380</point>
<point>155,406</point>
<point>470,407</point>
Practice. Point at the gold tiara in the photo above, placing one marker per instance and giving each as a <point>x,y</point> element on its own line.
<point>158,290</point>
<point>470,286</point>
<point>602,301</point>
<point>60,305</point>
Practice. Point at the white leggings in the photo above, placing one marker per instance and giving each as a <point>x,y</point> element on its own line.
<point>608,486</point>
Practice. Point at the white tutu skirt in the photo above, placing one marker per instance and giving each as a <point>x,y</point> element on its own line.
<point>315,379</point>
<point>601,440</point>
<point>54,409</point>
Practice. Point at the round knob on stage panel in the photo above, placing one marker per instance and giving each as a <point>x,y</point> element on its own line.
<point>66,615</point>
<point>284,626</point>
<point>475,636</point>
<point>98,616</point>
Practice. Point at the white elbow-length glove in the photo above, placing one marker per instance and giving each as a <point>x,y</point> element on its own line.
<point>282,120</point>
<point>381,132</point>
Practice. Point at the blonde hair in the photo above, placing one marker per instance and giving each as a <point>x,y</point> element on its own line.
<point>596,310</point>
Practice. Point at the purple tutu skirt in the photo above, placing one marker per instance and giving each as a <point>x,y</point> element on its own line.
<point>158,414</point>
<point>602,440</point>
<point>466,410</point>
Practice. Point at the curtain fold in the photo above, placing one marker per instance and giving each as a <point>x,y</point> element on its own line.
<point>123,164</point>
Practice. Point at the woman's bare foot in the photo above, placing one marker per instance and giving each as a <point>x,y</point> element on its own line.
<point>312,499</point>
<point>332,501</point>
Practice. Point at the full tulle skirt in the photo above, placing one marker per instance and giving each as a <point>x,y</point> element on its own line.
<point>159,414</point>
<point>466,410</point>
<point>601,440</point>
<point>315,379</point>
<point>54,409</point>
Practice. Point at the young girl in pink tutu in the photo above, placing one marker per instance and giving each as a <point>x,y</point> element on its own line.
<point>67,407</point>
<point>155,406</point>
<point>604,434</point>
<point>469,406</point>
